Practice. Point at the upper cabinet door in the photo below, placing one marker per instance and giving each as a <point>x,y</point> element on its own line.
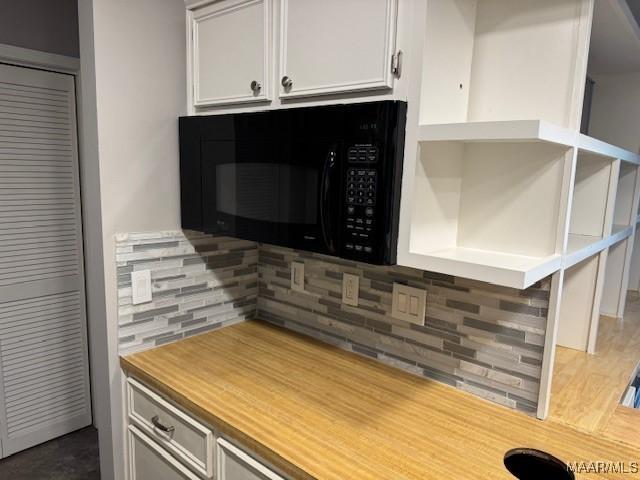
<point>230,52</point>
<point>336,46</point>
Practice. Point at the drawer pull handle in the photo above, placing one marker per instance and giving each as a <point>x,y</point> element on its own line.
<point>156,423</point>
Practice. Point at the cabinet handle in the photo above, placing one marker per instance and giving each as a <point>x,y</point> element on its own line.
<point>256,86</point>
<point>156,423</point>
<point>286,82</point>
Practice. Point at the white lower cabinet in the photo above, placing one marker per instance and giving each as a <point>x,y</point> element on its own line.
<point>167,443</point>
<point>149,461</point>
<point>170,427</point>
<point>236,464</point>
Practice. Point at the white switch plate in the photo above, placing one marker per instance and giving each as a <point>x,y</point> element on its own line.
<point>141,286</point>
<point>408,303</point>
<point>350,289</point>
<point>297,276</point>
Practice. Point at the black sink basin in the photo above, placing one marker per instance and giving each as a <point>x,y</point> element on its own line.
<point>531,464</point>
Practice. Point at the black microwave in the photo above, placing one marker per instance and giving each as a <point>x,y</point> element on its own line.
<point>323,179</point>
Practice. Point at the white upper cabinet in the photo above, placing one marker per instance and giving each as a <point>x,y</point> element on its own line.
<point>336,46</point>
<point>230,52</point>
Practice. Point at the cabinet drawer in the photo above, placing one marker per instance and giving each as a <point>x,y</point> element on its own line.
<point>184,437</point>
<point>235,464</point>
<point>149,461</point>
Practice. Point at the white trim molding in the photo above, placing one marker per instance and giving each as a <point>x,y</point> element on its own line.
<point>26,57</point>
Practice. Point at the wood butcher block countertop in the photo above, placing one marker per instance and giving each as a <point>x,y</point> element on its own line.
<point>315,411</point>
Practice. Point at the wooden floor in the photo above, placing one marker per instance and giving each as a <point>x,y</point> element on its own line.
<point>586,389</point>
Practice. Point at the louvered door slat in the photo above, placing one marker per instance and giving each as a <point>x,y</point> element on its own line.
<point>36,322</point>
<point>44,381</point>
<point>18,360</point>
<point>38,385</point>
<point>36,389</point>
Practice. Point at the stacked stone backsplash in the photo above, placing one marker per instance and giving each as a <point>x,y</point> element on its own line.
<point>199,283</point>
<point>481,338</point>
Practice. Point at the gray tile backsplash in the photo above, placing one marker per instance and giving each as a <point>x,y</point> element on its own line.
<point>199,283</point>
<point>481,338</point>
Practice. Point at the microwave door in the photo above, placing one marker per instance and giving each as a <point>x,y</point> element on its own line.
<point>240,197</point>
<point>310,189</point>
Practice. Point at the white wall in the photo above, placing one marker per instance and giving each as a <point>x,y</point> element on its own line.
<point>133,90</point>
<point>616,109</point>
<point>45,25</point>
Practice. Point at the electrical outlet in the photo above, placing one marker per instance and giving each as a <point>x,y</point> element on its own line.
<point>297,276</point>
<point>350,289</point>
<point>140,286</point>
<point>408,303</point>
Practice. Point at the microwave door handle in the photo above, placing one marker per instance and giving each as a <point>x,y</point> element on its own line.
<point>325,210</point>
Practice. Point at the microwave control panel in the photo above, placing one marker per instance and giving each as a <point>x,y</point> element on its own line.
<point>361,187</point>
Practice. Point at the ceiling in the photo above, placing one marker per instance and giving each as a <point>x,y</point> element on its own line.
<point>615,37</point>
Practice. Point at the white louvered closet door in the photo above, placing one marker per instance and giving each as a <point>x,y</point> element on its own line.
<point>44,375</point>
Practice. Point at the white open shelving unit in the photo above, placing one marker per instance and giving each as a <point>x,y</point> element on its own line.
<point>469,199</point>
<point>499,183</point>
<point>470,172</point>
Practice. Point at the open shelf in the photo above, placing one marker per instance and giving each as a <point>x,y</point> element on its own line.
<point>473,68</point>
<point>487,210</point>
<point>501,182</point>
<point>501,131</point>
<point>615,289</point>
<point>577,308</point>
<point>613,108</point>
<point>523,131</point>
<point>588,234</point>
<point>589,144</point>
<point>516,271</point>
<point>625,210</point>
<point>496,139</point>
<point>580,247</point>
<point>619,233</point>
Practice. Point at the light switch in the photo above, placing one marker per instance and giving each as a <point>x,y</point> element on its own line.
<point>140,286</point>
<point>297,276</point>
<point>408,303</point>
<point>413,305</point>
<point>402,302</point>
<point>350,287</point>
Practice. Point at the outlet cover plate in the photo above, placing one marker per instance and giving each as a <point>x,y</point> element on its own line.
<point>140,287</point>
<point>350,289</point>
<point>408,303</point>
<point>297,276</point>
